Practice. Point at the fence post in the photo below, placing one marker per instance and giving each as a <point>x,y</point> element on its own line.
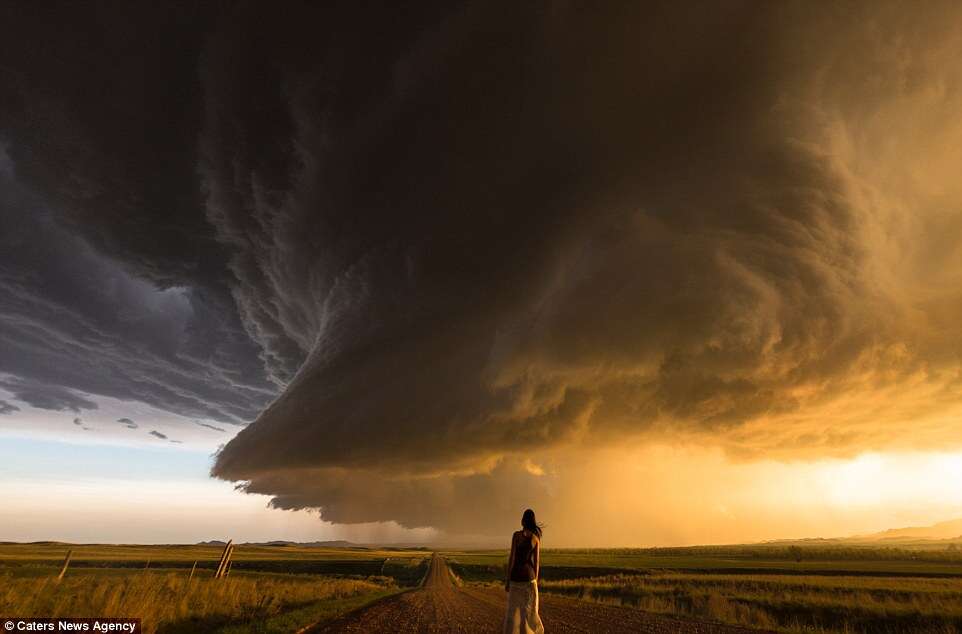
<point>66,562</point>
<point>224,560</point>
<point>230,560</point>
<point>192,569</point>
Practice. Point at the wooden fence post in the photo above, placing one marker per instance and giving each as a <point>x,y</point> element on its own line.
<point>224,564</point>
<point>66,562</point>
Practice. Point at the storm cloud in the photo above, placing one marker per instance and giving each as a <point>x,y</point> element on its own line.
<point>420,246</point>
<point>46,396</point>
<point>73,320</point>
<point>605,225</point>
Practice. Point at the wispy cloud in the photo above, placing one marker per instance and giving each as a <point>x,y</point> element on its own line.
<point>129,424</point>
<point>209,426</point>
<point>46,395</point>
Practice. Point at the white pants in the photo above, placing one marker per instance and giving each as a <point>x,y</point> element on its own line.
<point>522,616</point>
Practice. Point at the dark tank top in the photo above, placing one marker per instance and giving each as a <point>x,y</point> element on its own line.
<point>524,552</point>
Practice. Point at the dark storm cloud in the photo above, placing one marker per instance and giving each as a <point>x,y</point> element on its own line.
<point>102,119</point>
<point>45,395</point>
<point>74,319</point>
<point>78,421</point>
<point>113,283</point>
<point>351,496</point>
<point>496,235</point>
<point>509,234</point>
<point>157,434</point>
<point>129,424</point>
<point>457,235</point>
<point>8,408</point>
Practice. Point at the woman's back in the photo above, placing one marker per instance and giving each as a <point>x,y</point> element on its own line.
<point>525,554</point>
<point>521,585</point>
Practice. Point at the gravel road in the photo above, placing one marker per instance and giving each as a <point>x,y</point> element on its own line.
<point>441,606</point>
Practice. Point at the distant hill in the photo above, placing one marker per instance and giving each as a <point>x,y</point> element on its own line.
<point>950,529</point>
<point>340,543</point>
<point>947,531</point>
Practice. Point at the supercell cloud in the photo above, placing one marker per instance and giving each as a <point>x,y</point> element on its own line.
<point>415,248</point>
<point>46,396</point>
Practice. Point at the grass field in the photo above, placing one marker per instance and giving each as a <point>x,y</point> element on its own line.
<point>282,588</point>
<point>801,589</point>
<point>562,564</point>
<point>783,602</point>
<point>50,551</point>
<point>170,602</point>
<point>398,563</point>
<point>269,589</point>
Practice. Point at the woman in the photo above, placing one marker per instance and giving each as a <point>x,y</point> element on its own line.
<point>524,565</point>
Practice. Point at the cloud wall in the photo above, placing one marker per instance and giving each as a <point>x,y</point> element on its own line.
<point>455,239</point>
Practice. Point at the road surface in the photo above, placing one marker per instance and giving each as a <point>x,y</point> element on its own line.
<point>441,606</point>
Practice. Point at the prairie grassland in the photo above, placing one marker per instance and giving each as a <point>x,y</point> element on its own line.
<point>406,565</point>
<point>789,603</point>
<point>12,552</point>
<point>479,565</point>
<point>169,602</point>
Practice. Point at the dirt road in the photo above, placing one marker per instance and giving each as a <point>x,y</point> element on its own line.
<point>441,606</point>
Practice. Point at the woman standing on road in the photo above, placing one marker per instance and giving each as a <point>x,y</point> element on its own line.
<point>524,565</point>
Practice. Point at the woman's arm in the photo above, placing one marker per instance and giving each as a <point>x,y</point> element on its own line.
<point>507,577</point>
<point>537,559</point>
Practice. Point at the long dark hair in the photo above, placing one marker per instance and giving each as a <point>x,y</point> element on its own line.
<point>528,522</point>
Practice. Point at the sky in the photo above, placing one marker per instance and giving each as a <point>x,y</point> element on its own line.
<point>666,273</point>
